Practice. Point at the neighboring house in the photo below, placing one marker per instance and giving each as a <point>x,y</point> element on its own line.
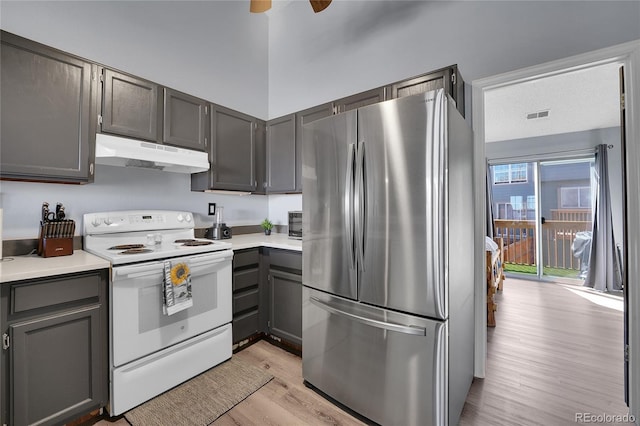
<point>566,187</point>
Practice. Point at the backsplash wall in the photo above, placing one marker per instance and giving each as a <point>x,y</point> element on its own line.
<point>120,188</point>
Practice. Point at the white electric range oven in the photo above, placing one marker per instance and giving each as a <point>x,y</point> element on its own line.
<point>150,350</point>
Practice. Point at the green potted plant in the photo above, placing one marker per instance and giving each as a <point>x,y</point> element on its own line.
<point>267,225</point>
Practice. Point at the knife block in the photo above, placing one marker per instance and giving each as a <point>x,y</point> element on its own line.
<point>54,246</point>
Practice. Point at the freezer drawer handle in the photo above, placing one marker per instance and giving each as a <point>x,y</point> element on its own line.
<point>406,329</point>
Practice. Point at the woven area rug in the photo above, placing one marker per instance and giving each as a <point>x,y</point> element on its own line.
<point>202,399</point>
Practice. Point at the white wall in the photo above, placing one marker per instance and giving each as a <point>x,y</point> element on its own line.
<point>120,188</point>
<point>281,205</point>
<point>358,45</point>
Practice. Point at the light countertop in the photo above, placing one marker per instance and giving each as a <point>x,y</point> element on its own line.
<point>281,241</point>
<point>15,268</point>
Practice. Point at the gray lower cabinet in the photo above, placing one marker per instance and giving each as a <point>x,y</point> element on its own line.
<point>130,106</point>
<point>246,294</point>
<point>55,348</point>
<point>285,295</point>
<point>48,111</point>
<point>232,155</point>
<point>281,155</point>
<point>267,295</point>
<point>302,118</point>
<point>185,120</point>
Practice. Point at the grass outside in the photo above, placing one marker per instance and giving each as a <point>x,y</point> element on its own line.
<point>532,269</point>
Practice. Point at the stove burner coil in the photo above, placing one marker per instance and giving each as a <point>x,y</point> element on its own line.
<point>127,247</point>
<point>185,240</point>
<point>136,250</point>
<point>194,243</point>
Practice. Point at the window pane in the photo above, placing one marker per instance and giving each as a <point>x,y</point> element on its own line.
<point>569,198</point>
<point>585,197</point>
<point>519,172</point>
<point>501,174</point>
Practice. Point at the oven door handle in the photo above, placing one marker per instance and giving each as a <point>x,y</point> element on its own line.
<point>139,270</point>
<point>199,262</point>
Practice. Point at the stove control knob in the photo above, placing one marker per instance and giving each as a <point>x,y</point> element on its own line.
<point>96,221</point>
<point>188,217</point>
<point>180,217</point>
<point>107,221</point>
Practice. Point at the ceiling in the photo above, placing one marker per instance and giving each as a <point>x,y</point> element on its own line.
<point>574,101</point>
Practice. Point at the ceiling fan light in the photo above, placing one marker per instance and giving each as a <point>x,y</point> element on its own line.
<point>259,6</point>
<point>319,5</point>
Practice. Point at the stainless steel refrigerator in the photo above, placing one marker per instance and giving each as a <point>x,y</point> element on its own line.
<point>388,326</point>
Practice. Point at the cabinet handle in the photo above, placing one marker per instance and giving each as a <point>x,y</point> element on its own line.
<point>286,275</point>
<point>91,169</point>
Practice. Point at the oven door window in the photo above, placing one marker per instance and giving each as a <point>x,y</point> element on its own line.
<point>139,326</point>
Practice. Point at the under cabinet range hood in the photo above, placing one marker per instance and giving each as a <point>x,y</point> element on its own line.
<point>124,152</point>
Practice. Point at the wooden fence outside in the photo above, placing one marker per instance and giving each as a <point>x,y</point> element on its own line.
<point>557,239</point>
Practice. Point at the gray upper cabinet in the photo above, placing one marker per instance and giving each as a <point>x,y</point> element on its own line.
<point>361,99</point>
<point>233,153</point>
<point>448,78</point>
<point>184,120</point>
<point>281,155</point>
<point>48,113</point>
<point>130,106</point>
<point>302,118</point>
<point>260,157</point>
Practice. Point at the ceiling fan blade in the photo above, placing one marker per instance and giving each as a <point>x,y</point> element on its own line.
<point>259,6</point>
<point>319,5</point>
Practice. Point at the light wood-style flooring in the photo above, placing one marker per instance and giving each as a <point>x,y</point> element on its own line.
<point>552,354</point>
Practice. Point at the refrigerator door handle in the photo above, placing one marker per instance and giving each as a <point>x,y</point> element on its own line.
<point>406,329</point>
<point>360,200</point>
<point>348,204</point>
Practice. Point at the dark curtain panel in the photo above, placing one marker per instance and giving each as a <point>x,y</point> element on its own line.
<point>604,270</point>
<point>490,227</point>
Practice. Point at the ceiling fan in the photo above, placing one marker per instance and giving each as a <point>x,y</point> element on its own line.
<point>259,6</point>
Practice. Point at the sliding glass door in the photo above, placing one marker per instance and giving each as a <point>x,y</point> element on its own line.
<point>565,207</point>
<point>542,212</point>
<point>514,215</point>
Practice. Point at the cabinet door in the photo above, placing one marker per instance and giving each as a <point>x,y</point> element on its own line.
<point>261,157</point>
<point>232,150</point>
<point>130,106</point>
<point>448,78</point>
<point>57,367</point>
<point>421,84</point>
<point>281,154</point>
<point>302,118</point>
<point>185,120</point>
<point>285,314</point>
<point>361,99</point>
<point>48,127</point>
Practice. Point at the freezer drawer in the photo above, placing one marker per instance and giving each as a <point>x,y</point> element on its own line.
<point>389,367</point>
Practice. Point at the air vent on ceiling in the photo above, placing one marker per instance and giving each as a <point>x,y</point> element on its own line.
<point>539,114</point>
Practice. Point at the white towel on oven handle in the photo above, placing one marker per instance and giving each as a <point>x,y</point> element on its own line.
<point>177,287</point>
